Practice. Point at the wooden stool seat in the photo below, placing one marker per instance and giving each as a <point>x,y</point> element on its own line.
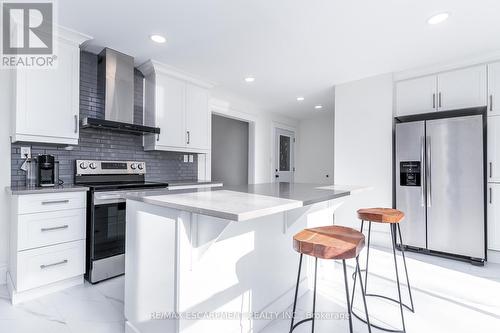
<point>381,215</point>
<point>330,242</point>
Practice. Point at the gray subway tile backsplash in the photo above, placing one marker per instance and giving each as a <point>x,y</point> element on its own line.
<point>103,144</point>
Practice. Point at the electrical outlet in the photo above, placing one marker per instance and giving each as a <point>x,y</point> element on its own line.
<point>186,158</point>
<point>191,158</point>
<point>25,151</point>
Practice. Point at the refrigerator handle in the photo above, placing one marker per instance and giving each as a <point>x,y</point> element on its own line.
<point>428,173</point>
<point>423,171</point>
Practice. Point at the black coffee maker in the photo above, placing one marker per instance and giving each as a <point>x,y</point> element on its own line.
<point>47,173</point>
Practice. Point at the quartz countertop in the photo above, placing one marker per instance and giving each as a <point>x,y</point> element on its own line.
<point>241,203</point>
<point>181,183</point>
<point>23,190</point>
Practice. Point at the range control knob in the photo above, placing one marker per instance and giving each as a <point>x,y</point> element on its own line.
<point>93,166</point>
<point>133,166</point>
<point>141,166</point>
<point>83,165</point>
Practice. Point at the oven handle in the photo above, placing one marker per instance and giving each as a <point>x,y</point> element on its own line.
<point>104,199</point>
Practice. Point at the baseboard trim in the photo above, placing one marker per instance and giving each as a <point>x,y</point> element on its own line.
<point>20,297</point>
<point>3,274</point>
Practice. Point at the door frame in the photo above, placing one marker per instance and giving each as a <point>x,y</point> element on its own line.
<point>221,108</point>
<point>280,126</point>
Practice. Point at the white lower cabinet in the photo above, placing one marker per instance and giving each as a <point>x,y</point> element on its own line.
<point>42,229</point>
<point>38,267</point>
<point>47,243</point>
<point>494,217</point>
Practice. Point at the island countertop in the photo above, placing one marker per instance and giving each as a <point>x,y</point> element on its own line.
<point>241,203</point>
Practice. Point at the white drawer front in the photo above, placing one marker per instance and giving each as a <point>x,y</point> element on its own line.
<point>50,264</point>
<point>42,229</point>
<point>47,202</point>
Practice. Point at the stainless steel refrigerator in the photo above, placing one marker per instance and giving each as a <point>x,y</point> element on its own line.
<point>440,185</point>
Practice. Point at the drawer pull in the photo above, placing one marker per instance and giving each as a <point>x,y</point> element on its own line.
<point>65,261</point>
<point>55,202</point>
<point>55,228</point>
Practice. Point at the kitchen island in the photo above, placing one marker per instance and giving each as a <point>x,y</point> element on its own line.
<point>210,260</point>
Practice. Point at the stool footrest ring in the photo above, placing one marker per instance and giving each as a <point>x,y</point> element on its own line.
<point>392,300</point>
<point>374,325</point>
<point>300,323</point>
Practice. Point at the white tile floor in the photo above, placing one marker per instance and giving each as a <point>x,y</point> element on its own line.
<point>449,296</point>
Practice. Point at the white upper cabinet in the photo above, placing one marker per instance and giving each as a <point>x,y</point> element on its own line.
<point>47,101</point>
<point>462,88</point>
<point>198,117</point>
<point>458,89</point>
<point>493,153</point>
<point>169,116</point>
<point>178,104</point>
<point>494,89</point>
<point>416,96</point>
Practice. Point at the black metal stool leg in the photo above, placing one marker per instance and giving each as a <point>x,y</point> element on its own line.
<point>314,295</point>
<point>363,293</point>
<point>397,276</point>
<point>292,325</point>
<point>399,300</point>
<point>406,269</point>
<point>296,292</point>
<point>367,256</point>
<point>347,296</point>
<point>355,271</point>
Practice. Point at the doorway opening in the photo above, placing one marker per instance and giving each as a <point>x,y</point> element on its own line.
<point>230,142</point>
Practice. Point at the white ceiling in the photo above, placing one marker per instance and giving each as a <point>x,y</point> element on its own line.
<point>292,47</point>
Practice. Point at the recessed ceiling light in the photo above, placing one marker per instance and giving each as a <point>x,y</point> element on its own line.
<point>318,107</point>
<point>300,99</point>
<point>438,18</point>
<point>249,79</point>
<point>158,39</point>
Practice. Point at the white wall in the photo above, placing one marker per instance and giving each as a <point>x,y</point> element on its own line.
<point>260,132</point>
<point>5,107</point>
<point>315,149</point>
<point>363,147</point>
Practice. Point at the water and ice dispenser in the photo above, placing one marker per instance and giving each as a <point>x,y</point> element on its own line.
<point>410,173</point>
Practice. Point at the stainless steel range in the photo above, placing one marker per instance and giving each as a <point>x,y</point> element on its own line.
<point>109,183</point>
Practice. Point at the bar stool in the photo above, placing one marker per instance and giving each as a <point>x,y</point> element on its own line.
<point>392,217</point>
<point>330,242</point>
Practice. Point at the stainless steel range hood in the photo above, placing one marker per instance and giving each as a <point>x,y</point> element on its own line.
<point>115,80</point>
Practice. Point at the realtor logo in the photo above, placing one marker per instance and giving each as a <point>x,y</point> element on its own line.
<point>27,34</point>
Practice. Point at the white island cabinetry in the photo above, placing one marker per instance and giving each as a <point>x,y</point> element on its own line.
<point>226,250</point>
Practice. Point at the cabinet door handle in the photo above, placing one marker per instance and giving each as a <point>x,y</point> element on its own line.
<point>65,261</point>
<point>491,196</point>
<point>55,228</point>
<point>188,137</point>
<point>434,100</point>
<point>55,202</point>
<point>491,169</point>
<point>158,137</point>
<point>439,99</point>
<point>491,102</point>
<point>76,123</point>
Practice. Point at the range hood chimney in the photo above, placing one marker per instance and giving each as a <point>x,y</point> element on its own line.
<point>115,80</point>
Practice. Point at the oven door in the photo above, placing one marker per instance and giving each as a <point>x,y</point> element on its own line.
<point>108,232</point>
